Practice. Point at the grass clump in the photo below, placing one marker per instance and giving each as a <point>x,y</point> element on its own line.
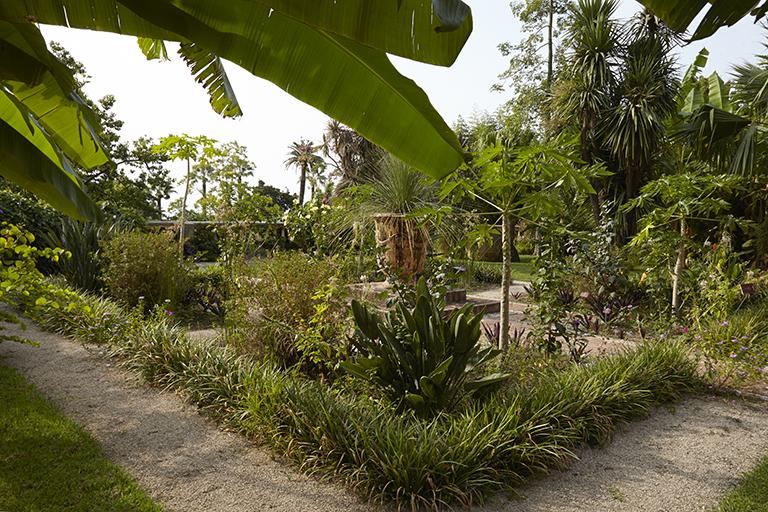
<point>47,462</point>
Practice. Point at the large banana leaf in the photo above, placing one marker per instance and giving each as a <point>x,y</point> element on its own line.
<point>321,63</point>
<point>43,118</point>
<point>31,159</point>
<point>680,14</point>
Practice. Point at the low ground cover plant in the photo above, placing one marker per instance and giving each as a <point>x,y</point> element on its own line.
<point>354,435</point>
<point>47,462</point>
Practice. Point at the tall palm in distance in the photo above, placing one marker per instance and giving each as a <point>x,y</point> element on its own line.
<point>355,157</point>
<point>303,156</point>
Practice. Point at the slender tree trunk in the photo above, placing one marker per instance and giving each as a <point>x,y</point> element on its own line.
<point>302,185</point>
<point>550,52</point>
<point>506,275</point>
<point>678,269</point>
<point>184,210</point>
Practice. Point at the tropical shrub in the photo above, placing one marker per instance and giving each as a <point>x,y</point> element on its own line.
<point>146,265</point>
<point>21,283</point>
<point>33,216</point>
<point>420,360</point>
<point>82,240</point>
<point>291,308</point>
<point>307,225</point>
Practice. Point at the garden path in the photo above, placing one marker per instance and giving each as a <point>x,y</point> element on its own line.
<point>681,458</point>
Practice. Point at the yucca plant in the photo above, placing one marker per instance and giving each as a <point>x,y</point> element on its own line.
<point>420,359</point>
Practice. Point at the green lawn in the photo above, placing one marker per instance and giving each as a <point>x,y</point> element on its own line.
<point>47,462</point>
<point>751,495</point>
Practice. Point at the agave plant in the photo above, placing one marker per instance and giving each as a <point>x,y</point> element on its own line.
<point>419,358</point>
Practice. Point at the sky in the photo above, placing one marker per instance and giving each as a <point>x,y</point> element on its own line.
<point>157,99</point>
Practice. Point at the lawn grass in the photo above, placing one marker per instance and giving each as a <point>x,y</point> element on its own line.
<point>47,462</point>
<point>751,495</point>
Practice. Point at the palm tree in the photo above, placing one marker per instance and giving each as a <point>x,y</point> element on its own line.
<point>302,155</point>
<point>583,95</point>
<point>644,98</point>
<point>620,93</point>
<point>355,158</point>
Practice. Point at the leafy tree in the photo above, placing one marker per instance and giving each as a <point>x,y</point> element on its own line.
<point>112,184</point>
<point>682,198</point>
<point>282,199</point>
<point>303,156</point>
<point>200,148</point>
<point>530,72</point>
<point>332,57</point>
<point>521,182</point>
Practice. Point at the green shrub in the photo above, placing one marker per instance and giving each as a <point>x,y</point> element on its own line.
<point>291,308</point>
<point>524,245</point>
<point>83,241</point>
<point>21,283</point>
<point>35,217</point>
<point>420,360</point>
<point>146,265</point>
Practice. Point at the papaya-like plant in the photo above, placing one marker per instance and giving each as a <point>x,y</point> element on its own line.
<point>420,359</point>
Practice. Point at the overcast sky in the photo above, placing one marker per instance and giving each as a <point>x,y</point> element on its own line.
<point>161,98</point>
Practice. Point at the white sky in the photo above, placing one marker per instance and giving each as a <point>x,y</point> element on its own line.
<point>161,98</point>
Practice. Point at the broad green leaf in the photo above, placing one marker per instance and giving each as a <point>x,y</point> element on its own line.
<point>353,83</point>
<point>31,159</point>
<point>680,14</point>
<point>693,101</point>
<point>24,57</point>
<point>68,120</point>
<point>153,48</point>
<point>719,93</point>
<point>412,29</point>
<point>486,381</point>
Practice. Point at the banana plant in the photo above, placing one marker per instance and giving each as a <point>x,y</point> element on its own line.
<point>331,55</point>
<point>420,359</point>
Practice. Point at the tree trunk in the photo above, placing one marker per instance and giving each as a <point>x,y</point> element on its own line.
<point>506,274</point>
<point>678,269</point>
<point>184,210</point>
<point>303,184</point>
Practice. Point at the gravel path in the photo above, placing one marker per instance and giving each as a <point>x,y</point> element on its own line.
<point>681,458</point>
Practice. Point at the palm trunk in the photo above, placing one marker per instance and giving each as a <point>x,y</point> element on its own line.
<point>303,184</point>
<point>506,274</point>
<point>678,269</point>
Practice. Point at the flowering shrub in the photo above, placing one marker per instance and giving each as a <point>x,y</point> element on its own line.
<point>734,351</point>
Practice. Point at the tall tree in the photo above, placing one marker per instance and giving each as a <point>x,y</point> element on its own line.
<point>200,149</point>
<point>532,71</point>
<point>303,155</point>
<point>617,94</point>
